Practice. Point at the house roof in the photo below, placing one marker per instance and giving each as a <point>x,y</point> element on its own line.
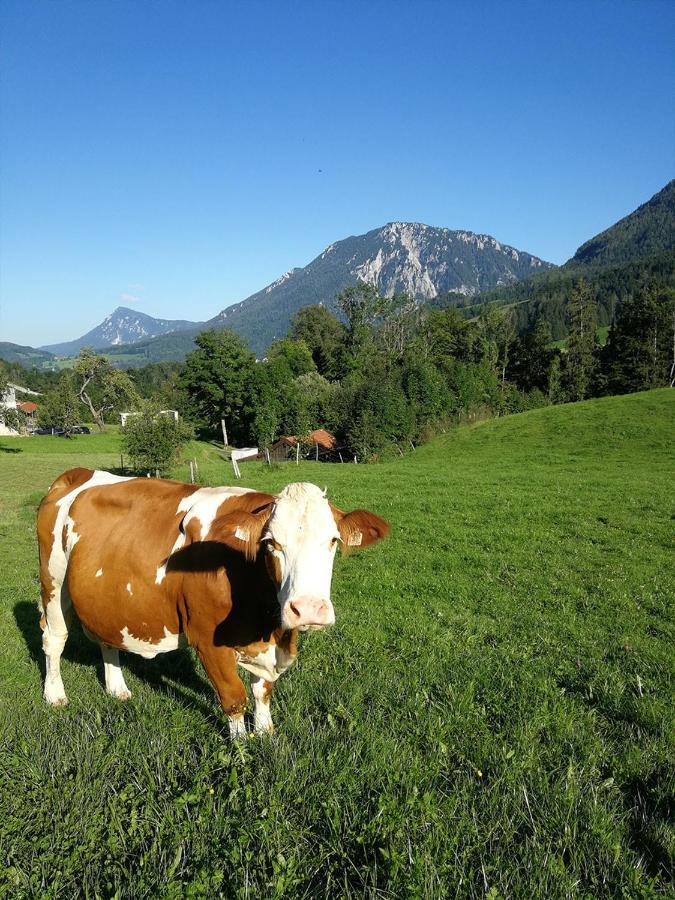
<point>319,436</point>
<point>27,406</point>
<point>323,438</point>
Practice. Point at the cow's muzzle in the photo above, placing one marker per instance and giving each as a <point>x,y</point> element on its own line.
<point>308,612</point>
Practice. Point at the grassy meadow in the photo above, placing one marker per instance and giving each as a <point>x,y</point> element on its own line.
<point>491,716</point>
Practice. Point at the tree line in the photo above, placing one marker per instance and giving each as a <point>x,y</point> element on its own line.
<point>386,372</point>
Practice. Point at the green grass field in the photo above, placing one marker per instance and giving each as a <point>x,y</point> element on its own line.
<point>491,716</point>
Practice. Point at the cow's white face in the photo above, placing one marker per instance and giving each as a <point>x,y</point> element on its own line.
<point>299,543</point>
<point>297,533</point>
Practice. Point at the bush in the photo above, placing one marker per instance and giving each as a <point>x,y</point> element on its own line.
<point>153,439</point>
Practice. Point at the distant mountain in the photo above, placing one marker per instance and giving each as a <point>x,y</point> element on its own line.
<point>26,356</point>
<point>399,257</point>
<point>647,231</point>
<point>122,327</point>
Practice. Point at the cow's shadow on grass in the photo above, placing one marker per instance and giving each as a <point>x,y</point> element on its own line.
<point>174,674</point>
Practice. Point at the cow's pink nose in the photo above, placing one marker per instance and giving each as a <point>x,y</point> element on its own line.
<point>308,611</point>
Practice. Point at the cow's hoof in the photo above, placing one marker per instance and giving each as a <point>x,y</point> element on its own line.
<point>121,695</point>
<point>57,701</point>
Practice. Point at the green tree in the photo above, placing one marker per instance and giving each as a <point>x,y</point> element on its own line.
<point>102,388</point>
<point>290,358</point>
<point>396,324</point>
<point>153,439</point>
<point>221,382</point>
<point>640,349</point>
<point>445,335</point>
<point>580,361</point>
<point>531,357</point>
<point>360,304</point>
<point>324,335</point>
<point>554,388</point>
<point>60,408</point>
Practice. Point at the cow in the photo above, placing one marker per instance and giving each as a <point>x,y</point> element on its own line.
<point>150,565</point>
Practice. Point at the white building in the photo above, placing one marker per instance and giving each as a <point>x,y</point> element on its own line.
<point>8,401</point>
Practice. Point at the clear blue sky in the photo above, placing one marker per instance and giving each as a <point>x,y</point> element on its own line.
<point>177,156</point>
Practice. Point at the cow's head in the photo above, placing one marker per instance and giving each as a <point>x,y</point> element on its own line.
<point>298,533</point>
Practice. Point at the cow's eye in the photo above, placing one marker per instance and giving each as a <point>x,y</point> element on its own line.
<point>334,541</point>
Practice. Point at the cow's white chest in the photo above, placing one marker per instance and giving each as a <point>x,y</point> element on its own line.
<point>268,665</point>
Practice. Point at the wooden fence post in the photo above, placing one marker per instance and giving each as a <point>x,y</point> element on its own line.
<point>192,472</point>
<point>297,453</point>
<point>222,425</point>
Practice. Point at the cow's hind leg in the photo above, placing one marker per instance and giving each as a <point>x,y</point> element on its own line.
<point>56,619</point>
<point>262,692</point>
<point>115,684</point>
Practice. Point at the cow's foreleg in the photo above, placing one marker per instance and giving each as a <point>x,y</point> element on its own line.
<point>262,691</point>
<point>221,667</point>
<point>115,684</point>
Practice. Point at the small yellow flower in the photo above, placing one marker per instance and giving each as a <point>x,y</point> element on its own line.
<point>479,773</point>
<point>211,791</point>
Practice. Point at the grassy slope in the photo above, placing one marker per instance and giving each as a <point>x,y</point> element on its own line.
<point>491,714</point>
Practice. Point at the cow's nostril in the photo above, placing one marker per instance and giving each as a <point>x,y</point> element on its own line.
<point>294,610</point>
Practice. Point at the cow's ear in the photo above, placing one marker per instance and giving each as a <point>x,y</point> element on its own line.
<point>241,530</point>
<point>359,528</point>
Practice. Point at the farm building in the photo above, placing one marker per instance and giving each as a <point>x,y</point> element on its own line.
<point>318,444</point>
<point>9,401</point>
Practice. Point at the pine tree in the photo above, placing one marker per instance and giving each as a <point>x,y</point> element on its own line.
<point>640,347</point>
<point>581,341</point>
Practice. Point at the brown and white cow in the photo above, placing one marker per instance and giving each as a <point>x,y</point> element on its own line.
<point>151,565</point>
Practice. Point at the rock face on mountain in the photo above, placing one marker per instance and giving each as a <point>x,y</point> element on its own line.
<point>121,327</point>
<point>399,257</point>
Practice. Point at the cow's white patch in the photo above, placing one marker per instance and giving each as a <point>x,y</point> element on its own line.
<point>115,684</point>
<point>262,719</point>
<point>58,559</point>
<point>99,572</point>
<point>268,665</point>
<point>72,537</point>
<point>264,665</point>
<point>237,727</point>
<point>129,591</point>
<point>55,610</point>
<point>203,505</point>
<point>148,649</point>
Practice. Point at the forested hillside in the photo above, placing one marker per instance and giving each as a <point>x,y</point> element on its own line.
<point>635,255</point>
